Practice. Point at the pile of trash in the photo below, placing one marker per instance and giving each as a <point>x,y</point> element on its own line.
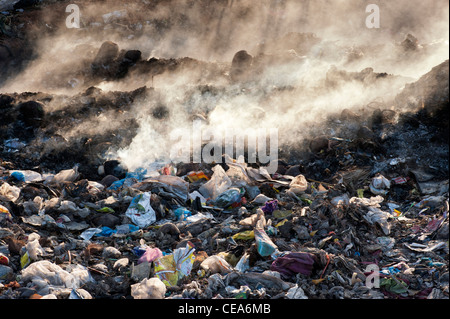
<point>357,211</point>
<point>226,231</point>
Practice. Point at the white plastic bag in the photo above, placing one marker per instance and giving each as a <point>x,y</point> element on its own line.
<point>377,216</point>
<point>218,183</point>
<point>298,185</point>
<point>244,263</point>
<point>9,193</point>
<point>216,264</point>
<point>29,176</point>
<point>34,206</point>
<point>152,288</point>
<point>253,219</point>
<point>68,175</point>
<point>296,292</point>
<point>380,185</point>
<point>54,275</point>
<point>34,249</point>
<point>140,211</point>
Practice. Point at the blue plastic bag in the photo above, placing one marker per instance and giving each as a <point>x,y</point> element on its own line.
<point>182,213</point>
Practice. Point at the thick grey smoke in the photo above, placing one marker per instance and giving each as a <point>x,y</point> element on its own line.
<point>304,53</point>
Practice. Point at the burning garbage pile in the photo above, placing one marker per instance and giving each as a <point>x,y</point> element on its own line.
<point>353,206</point>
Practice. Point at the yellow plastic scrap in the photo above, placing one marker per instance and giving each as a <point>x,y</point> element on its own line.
<point>4,213</point>
<point>397,213</point>
<point>281,213</point>
<point>195,176</point>
<point>165,270</point>
<point>317,281</point>
<point>25,260</point>
<point>245,235</point>
<point>360,193</point>
<point>281,223</point>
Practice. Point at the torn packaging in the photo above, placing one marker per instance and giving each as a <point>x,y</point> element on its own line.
<point>173,267</point>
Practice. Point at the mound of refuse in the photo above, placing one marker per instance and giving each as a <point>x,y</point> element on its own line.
<point>357,207</point>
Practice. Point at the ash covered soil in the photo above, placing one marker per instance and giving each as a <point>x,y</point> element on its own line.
<point>362,174</point>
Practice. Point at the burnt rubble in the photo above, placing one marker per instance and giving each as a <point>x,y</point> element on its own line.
<point>365,194</point>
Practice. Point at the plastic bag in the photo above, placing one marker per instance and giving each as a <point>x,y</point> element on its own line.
<point>244,263</point>
<point>9,193</point>
<point>367,202</point>
<point>296,292</point>
<point>245,235</point>
<point>228,198</point>
<point>216,264</point>
<point>194,195</point>
<point>150,255</point>
<point>140,271</point>
<point>173,267</point>
<point>68,175</point>
<point>340,201</point>
<point>377,216</point>
<point>89,233</point>
<point>252,220</point>
<point>94,187</point>
<point>173,185</point>
<point>270,207</point>
<point>298,185</point>
<point>140,211</point>
<point>152,288</point>
<point>182,213</point>
<point>34,206</point>
<point>199,216</point>
<point>218,183</point>
<point>33,247</point>
<point>27,176</point>
<point>54,275</point>
<point>195,176</point>
<point>261,199</point>
<point>380,185</point>
<point>4,260</point>
<point>264,244</point>
<point>238,174</point>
